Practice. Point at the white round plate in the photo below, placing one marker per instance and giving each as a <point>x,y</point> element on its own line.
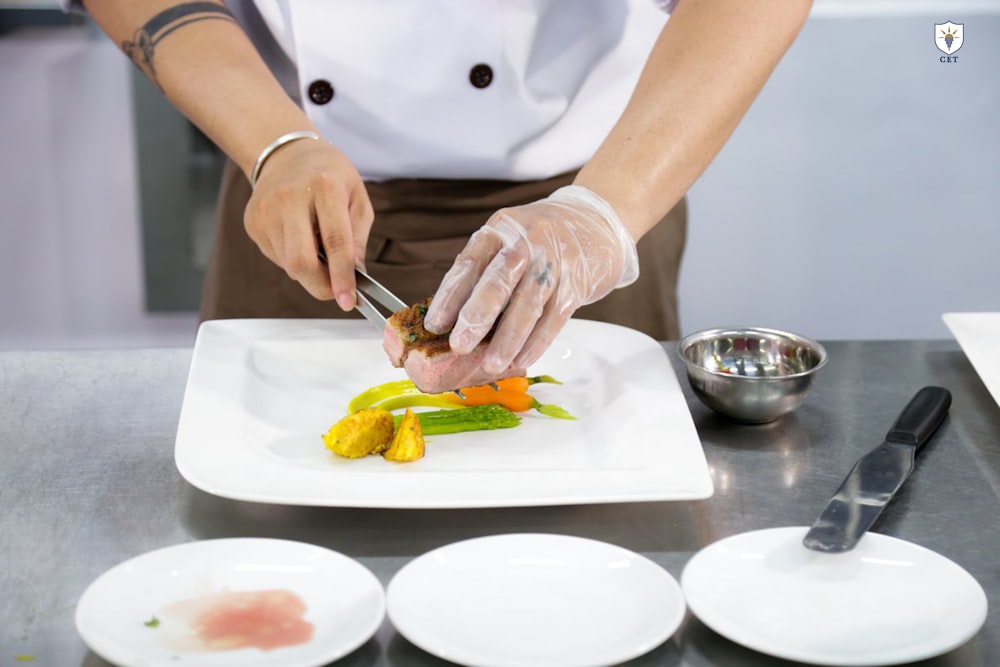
<point>523,600</point>
<point>344,601</point>
<point>885,602</point>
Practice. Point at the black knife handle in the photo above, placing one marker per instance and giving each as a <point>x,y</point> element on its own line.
<point>921,417</point>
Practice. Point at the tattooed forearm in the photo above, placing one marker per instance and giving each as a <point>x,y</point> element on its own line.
<point>141,49</point>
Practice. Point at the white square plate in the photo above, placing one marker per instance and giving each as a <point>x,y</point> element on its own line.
<point>978,334</point>
<point>261,393</point>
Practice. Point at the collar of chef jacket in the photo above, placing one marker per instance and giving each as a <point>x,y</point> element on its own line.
<point>389,82</point>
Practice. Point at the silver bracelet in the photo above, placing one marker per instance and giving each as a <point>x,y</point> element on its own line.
<point>275,145</point>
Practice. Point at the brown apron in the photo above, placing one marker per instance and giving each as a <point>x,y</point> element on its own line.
<point>420,226</point>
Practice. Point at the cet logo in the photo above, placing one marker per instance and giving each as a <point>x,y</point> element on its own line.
<point>949,36</point>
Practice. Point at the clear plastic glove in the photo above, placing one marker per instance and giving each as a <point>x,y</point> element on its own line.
<point>309,198</point>
<point>532,266</point>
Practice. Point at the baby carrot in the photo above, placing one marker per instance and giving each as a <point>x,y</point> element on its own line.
<point>520,383</point>
<point>518,401</point>
<point>515,401</point>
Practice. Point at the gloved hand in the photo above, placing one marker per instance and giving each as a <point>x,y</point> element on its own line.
<point>532,266</point>
<point>309,197</point>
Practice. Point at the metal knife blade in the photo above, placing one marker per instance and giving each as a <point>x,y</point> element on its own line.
<point>877,475</point>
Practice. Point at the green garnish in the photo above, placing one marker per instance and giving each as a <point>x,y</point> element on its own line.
<point>554,411</point>
<point>154,622</point>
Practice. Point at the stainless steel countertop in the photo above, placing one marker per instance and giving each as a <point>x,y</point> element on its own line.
<point>88,480</point>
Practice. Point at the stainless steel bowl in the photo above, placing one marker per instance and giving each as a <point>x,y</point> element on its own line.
<point>751,374</point>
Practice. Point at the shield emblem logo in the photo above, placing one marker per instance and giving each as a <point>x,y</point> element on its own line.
<point>949,36</point>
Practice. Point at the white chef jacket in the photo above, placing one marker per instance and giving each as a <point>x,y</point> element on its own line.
<point>468,89</point>
<point>395,90</point>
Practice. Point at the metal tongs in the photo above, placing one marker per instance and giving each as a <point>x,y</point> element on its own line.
<point>369,287</point>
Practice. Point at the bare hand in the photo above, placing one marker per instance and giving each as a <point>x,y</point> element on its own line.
<point>310,200</point>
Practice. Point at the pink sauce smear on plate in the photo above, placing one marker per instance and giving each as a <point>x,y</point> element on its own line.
<point>231,620</point>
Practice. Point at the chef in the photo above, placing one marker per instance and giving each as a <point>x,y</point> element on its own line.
<point>523,161</point>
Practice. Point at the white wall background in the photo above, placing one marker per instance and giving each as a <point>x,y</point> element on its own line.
<point>70,248</point>
<point>858,199</point>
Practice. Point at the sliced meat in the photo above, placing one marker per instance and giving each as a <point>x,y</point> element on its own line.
<point>404,331</point>
<point>427,358</point>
